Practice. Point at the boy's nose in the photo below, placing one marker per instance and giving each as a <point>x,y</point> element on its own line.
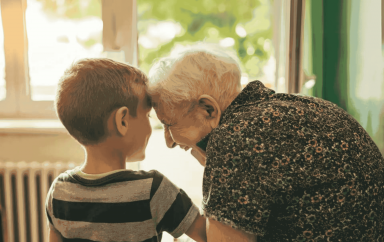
<point>168,139</point>
<point>171,144</point>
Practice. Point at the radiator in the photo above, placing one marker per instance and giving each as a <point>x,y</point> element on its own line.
<point>23,190</point>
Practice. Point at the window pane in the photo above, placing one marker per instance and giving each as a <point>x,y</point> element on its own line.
<point>2,62</point>
<point>60,32</point>
<point>244,28</point>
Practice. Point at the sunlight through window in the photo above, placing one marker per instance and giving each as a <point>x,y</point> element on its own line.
<point>57,39</point>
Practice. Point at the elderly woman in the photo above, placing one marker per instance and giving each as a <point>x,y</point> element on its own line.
<point>282,167</point>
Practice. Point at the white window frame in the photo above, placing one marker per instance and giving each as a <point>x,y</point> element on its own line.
<point>18,103</point>
<point>289,34</point>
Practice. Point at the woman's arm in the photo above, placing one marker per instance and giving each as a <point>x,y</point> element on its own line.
<point>217,231</point>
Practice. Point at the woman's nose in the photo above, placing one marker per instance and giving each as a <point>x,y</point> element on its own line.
<point>168,139</point>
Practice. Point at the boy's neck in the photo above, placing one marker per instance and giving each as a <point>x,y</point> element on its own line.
<point>97,168</point>
<point>100,159</point>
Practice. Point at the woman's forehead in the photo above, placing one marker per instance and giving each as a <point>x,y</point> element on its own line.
<point>168,115</point>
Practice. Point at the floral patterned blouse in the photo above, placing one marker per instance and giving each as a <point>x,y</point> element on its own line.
<point>288,167</point>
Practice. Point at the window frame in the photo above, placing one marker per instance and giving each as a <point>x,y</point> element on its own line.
<point>13,23</point>
<point>289,34</point>
<point>296,37</point>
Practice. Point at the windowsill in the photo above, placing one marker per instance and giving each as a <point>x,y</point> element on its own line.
<point>30,126</point>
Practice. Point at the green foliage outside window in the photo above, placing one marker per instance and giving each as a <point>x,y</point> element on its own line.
<point>200,20</point>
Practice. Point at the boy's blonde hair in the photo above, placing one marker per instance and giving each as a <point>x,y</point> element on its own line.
<point>91,89</point>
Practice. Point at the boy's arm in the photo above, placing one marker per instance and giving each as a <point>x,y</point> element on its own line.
<point>173,211</point>
<point>197,230</point>
<point>54,235</point>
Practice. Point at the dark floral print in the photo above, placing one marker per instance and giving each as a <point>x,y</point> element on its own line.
<point>288,167</point>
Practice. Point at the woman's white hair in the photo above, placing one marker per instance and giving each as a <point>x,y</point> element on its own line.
<point>191,71</point>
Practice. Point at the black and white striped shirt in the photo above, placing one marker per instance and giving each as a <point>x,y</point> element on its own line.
<point>124,205</point>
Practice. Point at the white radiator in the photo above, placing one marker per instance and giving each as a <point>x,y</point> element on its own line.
<point>23,190</point>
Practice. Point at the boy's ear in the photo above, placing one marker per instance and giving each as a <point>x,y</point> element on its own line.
<point>121,120</point>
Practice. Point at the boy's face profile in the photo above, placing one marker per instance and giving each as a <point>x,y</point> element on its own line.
<point>139,131</point>
<point>134,132</point>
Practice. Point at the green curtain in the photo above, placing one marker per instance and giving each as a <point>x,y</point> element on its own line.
<point>345,55</point>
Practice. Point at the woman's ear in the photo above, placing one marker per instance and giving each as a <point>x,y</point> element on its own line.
<point>211,109</point>
<point>121,120</point>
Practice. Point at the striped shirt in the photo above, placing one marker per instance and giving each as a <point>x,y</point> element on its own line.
<point>122,205</point>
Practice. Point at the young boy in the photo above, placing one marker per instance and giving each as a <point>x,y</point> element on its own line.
<point>104,105</point>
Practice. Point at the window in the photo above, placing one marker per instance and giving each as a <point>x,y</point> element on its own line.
<point>56,38</point>
<point>41,39</point>
<point>243,27</point>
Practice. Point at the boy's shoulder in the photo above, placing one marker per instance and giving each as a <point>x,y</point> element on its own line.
<point>151,179</point>
<point>74,176</point>
<point>144,184</point>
